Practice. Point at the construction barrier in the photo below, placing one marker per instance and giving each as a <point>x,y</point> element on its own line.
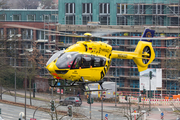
<point>153,101</point>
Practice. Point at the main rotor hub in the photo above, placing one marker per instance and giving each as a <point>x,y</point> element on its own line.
<point>87,34</point>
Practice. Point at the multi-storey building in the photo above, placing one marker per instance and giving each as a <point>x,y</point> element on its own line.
<point>41,19</point>
<point>134,16</point>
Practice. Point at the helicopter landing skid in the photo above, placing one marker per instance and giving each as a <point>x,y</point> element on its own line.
<point>84,85</point>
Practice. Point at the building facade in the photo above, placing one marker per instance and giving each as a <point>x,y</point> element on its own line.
<point>134,16</point>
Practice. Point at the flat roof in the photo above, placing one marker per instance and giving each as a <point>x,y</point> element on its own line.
<point>28,9</point>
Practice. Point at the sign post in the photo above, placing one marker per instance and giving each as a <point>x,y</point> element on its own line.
<point>162,116</point>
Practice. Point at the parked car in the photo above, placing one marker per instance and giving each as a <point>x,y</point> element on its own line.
<point>75,101</point>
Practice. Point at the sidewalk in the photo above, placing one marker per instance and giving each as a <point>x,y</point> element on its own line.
<point>156,115</point>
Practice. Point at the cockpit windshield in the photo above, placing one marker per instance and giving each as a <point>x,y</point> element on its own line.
<point>54,56</point>
<point>66,60</point>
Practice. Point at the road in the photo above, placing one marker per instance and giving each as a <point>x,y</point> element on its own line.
<point>9,111</point>
<point>114,113</point>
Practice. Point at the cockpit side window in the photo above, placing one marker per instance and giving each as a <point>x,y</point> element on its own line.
<point>54,56</point>
<point>77,63</point>
<point>66,60</point>
<point>86,61</point>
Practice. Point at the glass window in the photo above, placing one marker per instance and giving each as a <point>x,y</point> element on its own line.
<point>97,62</point>
<point>86,62</point>
<point>54,56</point>
<point>46,18</point>
<point>104,8</point>
<point>77,63</point>
<point>70,19</point>
<point>121,20</point>
<point>87,8</point>
<point>104,20</point>
<point>30,17</point>
<point>16,18</point>
<point>86,19</point>
<point>2,17</point>
<point>67,99</point>
<point>103,62</point>
<point>66,60</point>
<point>71,98</point>
<point>70,7</point>
<point>27,33</point>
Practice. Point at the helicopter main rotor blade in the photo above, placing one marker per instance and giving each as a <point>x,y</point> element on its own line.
<point>101,32</point>
<point>144,38</point>
<point>34,28</point>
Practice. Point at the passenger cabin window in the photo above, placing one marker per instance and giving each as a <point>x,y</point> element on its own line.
<point>103,62</point>
<point>86,62</point>
<point>97,62</point>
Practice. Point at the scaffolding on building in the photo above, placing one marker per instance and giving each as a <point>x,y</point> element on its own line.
<point>135,16</point>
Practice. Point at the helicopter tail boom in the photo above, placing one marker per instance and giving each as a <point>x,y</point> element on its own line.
<point>142,56</point>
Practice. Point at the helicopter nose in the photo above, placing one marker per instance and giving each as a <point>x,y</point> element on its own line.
<point>50,67</point>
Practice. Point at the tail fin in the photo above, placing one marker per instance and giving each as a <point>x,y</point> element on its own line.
<point>144,50</point>
<point>147,33</point>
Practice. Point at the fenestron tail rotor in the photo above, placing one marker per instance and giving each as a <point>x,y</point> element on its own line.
<point>146,54</point>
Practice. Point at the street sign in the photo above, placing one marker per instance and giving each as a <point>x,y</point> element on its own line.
<point>58,90</point>
<point>106,116</point>
<point>61,91</point>
<point>162,115</point>
<point>58,84</point>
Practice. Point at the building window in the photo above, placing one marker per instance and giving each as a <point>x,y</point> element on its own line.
<point>1,33</point>
<point>173,10</point>
<point>104,8</point>
<point>30,17</point>
<point>70,19</point>
<point>104,20</point>
<point>139,20</point>
<point>121,8</point>
<point>158,9</point>
<point>159,20</point>
<point>70,13</point>
<point>16,17</point>
<point>121,20</point>
<point>70,8</point>
<point>174,21</point>
<point>86,19</point>
<point>139,9</point>
<point>11,31</point>
<point>87,13</point>
<point>87,8</point>
<point>46,18</point>
<point>27,34</point>
<point>42,35</point>
<point>2,17</point>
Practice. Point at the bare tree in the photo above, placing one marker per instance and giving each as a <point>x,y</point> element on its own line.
<point>48,4</point>
<point>27,4</point>
<point>4,4</point>
<point>36,62</point>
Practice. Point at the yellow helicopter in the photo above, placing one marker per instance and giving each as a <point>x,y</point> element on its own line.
<point>88,61</point>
